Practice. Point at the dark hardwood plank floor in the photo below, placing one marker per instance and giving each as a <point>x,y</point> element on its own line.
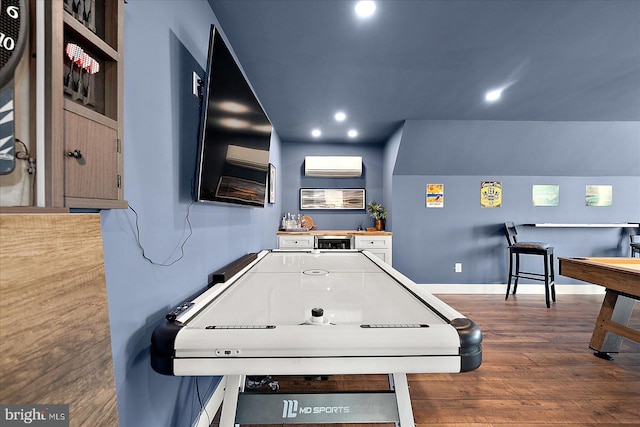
<point>537,370</point>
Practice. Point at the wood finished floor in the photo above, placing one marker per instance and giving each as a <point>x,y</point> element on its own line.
<point>537,370</point>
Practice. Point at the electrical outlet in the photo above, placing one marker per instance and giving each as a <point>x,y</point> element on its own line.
<point>458,267</point>
<point>196,83</point>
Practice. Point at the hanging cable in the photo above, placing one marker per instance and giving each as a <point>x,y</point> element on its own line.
<point>181,245</point>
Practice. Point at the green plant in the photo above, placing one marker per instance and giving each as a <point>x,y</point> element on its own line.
<point>376,210</point>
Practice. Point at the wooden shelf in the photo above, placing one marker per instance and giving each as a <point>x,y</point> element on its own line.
<point>31,210</point>
<point>80,110</point>
<point>96,42</point>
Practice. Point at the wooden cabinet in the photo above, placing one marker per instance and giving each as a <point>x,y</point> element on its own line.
<point>84,104</point>
<point>377,245</point>
<point>91,163</point>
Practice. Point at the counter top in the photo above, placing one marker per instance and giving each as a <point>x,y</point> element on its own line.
<point>316,232</point>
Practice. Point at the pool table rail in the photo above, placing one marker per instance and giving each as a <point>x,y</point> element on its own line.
<point>612,273</point>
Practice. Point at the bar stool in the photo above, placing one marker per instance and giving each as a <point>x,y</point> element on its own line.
<point>635,245</point>
<point>529,248</point>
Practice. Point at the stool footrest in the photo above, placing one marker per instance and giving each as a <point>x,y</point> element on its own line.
<point>531,276</point>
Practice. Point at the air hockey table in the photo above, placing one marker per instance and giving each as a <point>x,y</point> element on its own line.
<point>315,313</point>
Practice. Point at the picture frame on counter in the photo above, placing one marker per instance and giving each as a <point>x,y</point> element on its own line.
<point>332,198</point>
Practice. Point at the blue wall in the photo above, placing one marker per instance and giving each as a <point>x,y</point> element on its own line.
<point>165,41</point>
<point>293,179</point>
<point>457,147</point>
<point>390,155</point>
<point>459,154</point>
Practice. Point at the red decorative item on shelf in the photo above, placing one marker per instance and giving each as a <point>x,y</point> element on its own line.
<point>80,87</point>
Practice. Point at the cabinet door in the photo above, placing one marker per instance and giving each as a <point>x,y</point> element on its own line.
<point>377,245</point>
<point>382,254</point>
<point>373,242</point>
<point>93,172</point>
<point>304,241</point>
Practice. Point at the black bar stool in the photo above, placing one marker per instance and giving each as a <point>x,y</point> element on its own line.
<point>635,245</point>
<point>529,248</point>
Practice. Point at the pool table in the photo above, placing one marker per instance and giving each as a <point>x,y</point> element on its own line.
<point>315,313</point>
<point>621,278</point>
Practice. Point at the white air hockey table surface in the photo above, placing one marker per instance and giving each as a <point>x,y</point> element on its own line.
<point>373,320</point>
<point>313,313</point>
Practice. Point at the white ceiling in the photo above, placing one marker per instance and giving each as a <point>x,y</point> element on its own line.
<point>572,60</point>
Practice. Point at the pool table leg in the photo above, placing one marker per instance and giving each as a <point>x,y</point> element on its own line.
<point>611,324</point>
<point>400,385</point>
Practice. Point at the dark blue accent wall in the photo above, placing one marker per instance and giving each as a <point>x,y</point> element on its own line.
<point>390,154</point>
<point>293,179</point>
<point>165,42</point>
<point>427,242</point>
<point>458,147</point>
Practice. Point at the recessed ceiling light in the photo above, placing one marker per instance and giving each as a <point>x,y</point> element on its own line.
<point>352,133</point>
<point>340,116</point>
<point>233,107</point>
<point>365,8</point>
<point>493,95</point>
<point>263,128</point>
<point>233,123</point>
<point>316,133</point>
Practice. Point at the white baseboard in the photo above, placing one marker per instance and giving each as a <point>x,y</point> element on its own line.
<point>523,288</point>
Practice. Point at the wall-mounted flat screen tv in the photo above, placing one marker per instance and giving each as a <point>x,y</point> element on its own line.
<point>235,134</point>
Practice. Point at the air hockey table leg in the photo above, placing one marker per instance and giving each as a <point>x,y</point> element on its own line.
<point>400,385</point>
<point>234,385</point>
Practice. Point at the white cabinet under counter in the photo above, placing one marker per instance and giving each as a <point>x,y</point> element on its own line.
<point>379,243</point>
<point>295,241</point>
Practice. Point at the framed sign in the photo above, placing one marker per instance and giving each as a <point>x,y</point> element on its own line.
<point>598,195</point>
<point>272,184</point>
<point>545,195</point>
<point>491,194</point>
<point>435,195</point>
<point>317,198</point>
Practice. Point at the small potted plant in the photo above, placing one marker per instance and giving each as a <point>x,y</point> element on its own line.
<point>378,213</point>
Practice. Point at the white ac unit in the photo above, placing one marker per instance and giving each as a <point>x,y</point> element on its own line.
<point>333,166</point>
<point>250,158</point>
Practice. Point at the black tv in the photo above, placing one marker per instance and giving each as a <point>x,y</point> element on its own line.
<point>234,134</point>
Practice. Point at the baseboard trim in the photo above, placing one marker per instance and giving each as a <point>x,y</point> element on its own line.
<point>523,288</point>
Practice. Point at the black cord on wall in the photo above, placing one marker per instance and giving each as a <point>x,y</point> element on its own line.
<point>31,167</point>
<point>181,245</point>
<point>214,381</point>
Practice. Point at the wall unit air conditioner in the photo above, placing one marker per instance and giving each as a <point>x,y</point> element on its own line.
<point>333,166</point>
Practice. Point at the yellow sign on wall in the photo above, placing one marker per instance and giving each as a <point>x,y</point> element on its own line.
<point>435,195</point>
<point>491,194</point>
